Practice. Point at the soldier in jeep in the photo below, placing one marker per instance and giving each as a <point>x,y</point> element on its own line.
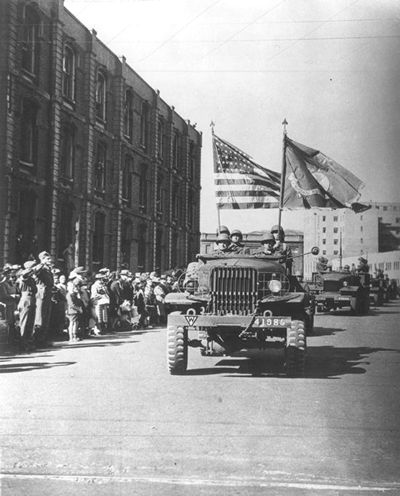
<point>223,243</point>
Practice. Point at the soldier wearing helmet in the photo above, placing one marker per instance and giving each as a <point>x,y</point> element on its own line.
<point>223,230</point>
<point>267,245</point>
<point>280,247</point>
<point>236,245</point>
<point>223,244</point>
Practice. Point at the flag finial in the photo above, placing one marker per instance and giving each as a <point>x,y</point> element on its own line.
<point>284,124</point>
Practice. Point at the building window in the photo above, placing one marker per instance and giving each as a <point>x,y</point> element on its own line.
<point>323,252</point>
<point>335,241</point>
<point>100,167</point>
<point>29,135</point>
<point>192,161</point>
<point>143,189</point>
<point>127,180</point>
<point>335,252</point>
<point>324,229</point>
<point>128,114</point>
<point>30,40</point>
<point>160,196</point>
<point>335,230</point>
<point>175,203</point>
<point>67,161</point>
<point>69,61</point>
<point>142,259</point>
<point>388,265</point>
<point>335,218</point>
<point>160,134</point>
<point>361,240</point>
<point>397,220</point>
<point>176,151</point>
<point>324,241</point>
<point>101,94</point>
<point>385,208</point>
<point>396,265</point>
<point>361,228</point>
<point>144,125</point>
<point>126,242</point>
<point>98,239</point>
<point>323,218</point>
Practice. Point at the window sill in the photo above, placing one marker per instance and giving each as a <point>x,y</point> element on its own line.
<point>26,164</point>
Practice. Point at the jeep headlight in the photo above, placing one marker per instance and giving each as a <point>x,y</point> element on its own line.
<point>275,286</point>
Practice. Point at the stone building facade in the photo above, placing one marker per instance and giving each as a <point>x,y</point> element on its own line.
<point>95,166</point>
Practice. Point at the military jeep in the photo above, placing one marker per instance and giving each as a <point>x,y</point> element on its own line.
<point>235,303</point>
<point>337,290</point>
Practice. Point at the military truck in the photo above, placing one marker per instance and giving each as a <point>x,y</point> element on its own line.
<point>337,289</point>
<point>377,291</point>
<point>235,303</point>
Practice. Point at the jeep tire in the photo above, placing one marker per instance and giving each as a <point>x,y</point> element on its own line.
<point>295,352</point>
<point>177,349</point>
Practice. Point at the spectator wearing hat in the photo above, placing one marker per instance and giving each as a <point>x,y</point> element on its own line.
<point>27,304</point>
<point>100,301</point>
<point>121,296</point>
<point>74,310</point>
<point>139,301</point>
<point>58,304</point>
<point>44,282</point>
<point>150,302</point>
<point>267,245</point>
<point>160,293</point>
<point>223,244</point>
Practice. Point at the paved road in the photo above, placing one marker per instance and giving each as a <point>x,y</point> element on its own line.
<point>103,417</point>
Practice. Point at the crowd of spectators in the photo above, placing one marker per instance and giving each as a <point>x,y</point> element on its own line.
<point>40,303</point>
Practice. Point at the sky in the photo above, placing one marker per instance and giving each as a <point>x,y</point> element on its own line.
<point>330,67</point>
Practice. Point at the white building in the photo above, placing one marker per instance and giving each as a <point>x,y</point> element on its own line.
<point>343,233</point>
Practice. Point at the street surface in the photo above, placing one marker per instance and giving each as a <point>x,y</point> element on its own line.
<point>103,417</point>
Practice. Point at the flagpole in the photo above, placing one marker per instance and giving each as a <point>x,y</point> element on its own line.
<point>212,125</point>
<point>283,174</point>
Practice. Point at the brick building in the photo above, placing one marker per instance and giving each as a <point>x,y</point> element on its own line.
<point>94,166</point>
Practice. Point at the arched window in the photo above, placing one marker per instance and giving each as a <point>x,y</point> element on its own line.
<point>30,40</point>
<point>101,94</point>
<point>29,135</point>
<point>100,167</point>
<point>144,125</point>
<point>128,114</point>
<point>127,180</point>
<point>67,162</point>
<point>69,72</point>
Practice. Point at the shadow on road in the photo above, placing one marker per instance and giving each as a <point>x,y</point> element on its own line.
<point>326,331</point>
<point>323,362</point>
<point>7,368</point>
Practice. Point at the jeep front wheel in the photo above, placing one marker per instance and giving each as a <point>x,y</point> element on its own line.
<point>177,349</point>
<point>295,353</point>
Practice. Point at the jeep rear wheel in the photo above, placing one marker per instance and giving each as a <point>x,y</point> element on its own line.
<point>177,349</point>
<point>295,353</point>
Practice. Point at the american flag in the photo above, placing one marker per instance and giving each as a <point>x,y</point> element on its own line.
<point>240,183</point>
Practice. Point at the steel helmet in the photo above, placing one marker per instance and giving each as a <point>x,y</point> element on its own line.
<point>267,237</point>
<point>223,237</point>
<point>223,229</point>
<point>236,232</point>
<point>279,229</point>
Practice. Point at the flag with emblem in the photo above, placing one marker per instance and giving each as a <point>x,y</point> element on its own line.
<point>313,180</point>
<point>241,183</point>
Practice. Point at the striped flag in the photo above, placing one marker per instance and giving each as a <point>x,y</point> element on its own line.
<point>240,183</point>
